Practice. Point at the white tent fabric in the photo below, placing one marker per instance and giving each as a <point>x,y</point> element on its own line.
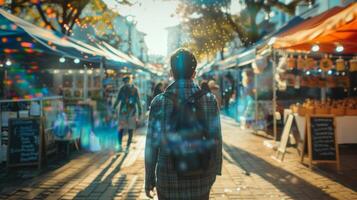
<point>51,38</point>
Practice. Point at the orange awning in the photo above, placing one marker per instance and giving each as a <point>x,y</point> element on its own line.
<point>337,26</point>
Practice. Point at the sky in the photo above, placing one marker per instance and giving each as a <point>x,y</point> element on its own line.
<point>153,17</point>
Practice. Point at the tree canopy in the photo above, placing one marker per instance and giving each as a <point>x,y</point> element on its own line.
<point>62,15</point>
<point>211,24</point>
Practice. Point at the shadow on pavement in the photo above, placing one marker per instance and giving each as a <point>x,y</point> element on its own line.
<point>281,179</point>
<point>105,178</point>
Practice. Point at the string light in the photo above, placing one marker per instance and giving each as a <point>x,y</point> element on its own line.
<point>339,48</point>
<point>62,60</point>
<point>8,62</point>
<point>315,48</point>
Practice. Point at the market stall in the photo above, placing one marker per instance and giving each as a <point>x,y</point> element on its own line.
<point>314,62</point>
<point>46,110</point>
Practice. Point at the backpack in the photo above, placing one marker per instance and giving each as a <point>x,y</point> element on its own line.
<point>186,140</point>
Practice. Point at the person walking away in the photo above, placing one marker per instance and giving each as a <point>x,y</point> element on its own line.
<point>129,100</point>
<point>183,150</point>
<point>159,88</point>
<point>204,86</point>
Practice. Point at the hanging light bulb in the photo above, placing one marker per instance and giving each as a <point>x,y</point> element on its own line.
<point>339,48</point>
<point>76,61</point>
<point>62,60</point>
<point>8,62</point>
<point>315,48</point>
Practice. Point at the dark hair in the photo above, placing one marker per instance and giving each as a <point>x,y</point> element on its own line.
<point>204,86</point>
<point>126,79</point>
<point>158,89</point>
<point>183,64</point>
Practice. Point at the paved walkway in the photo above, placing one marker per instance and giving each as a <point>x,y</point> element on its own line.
<point>108,175</point>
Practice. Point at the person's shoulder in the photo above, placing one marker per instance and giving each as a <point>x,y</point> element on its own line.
<point>122,87</point>
<point>158,99</point>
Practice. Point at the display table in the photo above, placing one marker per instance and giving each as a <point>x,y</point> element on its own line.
<point>346,130</point>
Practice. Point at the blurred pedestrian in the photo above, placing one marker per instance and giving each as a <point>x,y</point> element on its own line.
<point>129,100</point>
<point>204,86</point>
<point>177,169</point>
<point>214,88</point>
<point>159,88</point>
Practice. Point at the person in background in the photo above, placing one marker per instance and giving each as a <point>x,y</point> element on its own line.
<point>214,88</point>
<point>60,90</point>
<point>204,86</point>
<point>159,88</point>
<point>129,100</point>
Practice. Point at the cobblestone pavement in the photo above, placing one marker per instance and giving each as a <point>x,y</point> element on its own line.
<point>109,175</point>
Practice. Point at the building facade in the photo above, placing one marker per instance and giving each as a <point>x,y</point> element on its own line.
<point>176,38</point>
<point>132,40</point>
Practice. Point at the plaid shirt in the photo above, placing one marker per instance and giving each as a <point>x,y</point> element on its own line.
<point>165,179</point>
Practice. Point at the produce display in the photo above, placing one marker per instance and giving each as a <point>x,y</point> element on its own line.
<point>343,107</point>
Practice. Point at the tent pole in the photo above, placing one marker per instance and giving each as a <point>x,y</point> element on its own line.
<point>274,95</point>
<point>74,84</point>
<point>323,89</point>
<point>85,83</point>
<point>256,98</point>
<point>101,77</point>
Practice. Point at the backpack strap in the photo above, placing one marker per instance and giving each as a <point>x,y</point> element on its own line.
<point>197,96</point>
<point>193,98</point>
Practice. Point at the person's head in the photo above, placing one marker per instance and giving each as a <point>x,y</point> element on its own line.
<point>212,85</point>
<point>204,85</point>
<point>183,64</point>
<point>159,87</point>
<point>127,79</point>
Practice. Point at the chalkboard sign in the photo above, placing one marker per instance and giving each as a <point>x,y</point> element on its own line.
<point>25,142</point>
<point>322,139</point>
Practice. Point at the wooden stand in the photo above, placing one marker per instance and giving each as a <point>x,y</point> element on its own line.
<point>284,139</point>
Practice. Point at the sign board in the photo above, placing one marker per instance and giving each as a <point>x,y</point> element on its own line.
<point>322,141</point>
<point>285,137</point>
<point>25,142</point>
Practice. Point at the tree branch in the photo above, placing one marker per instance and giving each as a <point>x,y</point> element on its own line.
<point>43,17</point>
<point>74,18</point>
<point>238,29</point>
